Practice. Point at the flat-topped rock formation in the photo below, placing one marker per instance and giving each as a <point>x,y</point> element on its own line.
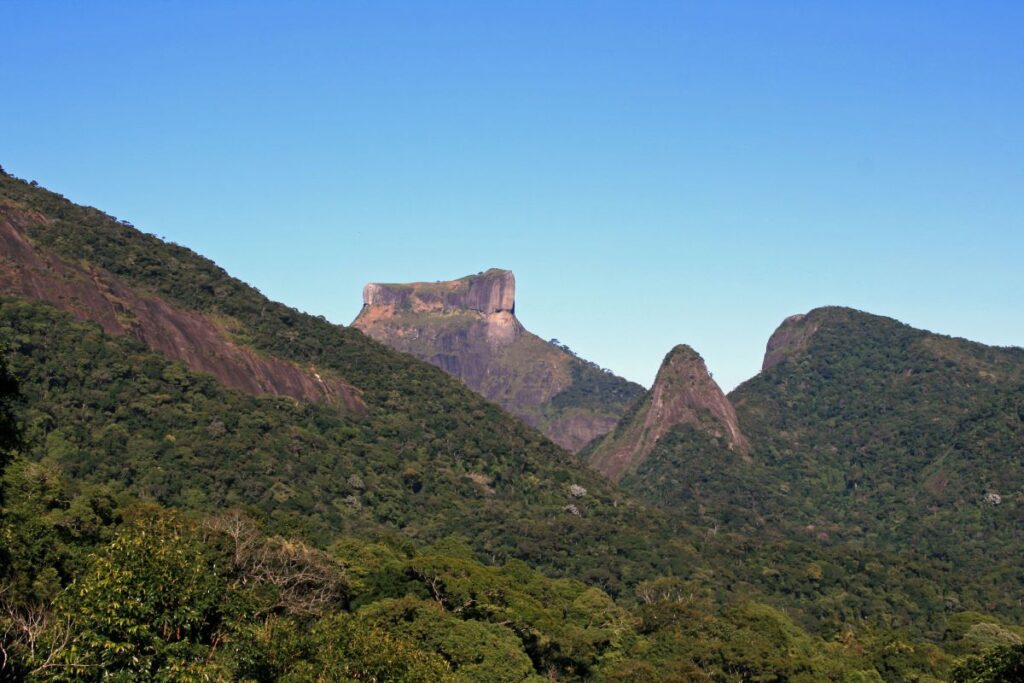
<point>490,292</point>
<point>468,327</point>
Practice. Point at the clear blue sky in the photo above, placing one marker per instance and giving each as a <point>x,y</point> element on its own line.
<point>654,173</point>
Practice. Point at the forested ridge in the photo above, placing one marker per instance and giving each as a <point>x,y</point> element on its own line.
<point>901,438</point>
<point>160,526</point>
<point>448,458</point>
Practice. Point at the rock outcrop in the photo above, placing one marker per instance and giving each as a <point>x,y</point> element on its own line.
<point>790,337</point>
<point>683,394</point>
<point>201,343</point>
<point>468,328</point>
<point>488,293</point>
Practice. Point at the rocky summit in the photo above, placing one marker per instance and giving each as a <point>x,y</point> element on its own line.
<point>684,393</point>
<point>468,327</point>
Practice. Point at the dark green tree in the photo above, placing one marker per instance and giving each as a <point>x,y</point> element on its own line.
<point>998,665</point>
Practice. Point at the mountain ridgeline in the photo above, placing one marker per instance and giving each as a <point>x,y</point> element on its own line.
<point>859,430</point>
<point>866,428</point>
<point>199,483</point>
<point>469,329</point>
<point>328,429</point>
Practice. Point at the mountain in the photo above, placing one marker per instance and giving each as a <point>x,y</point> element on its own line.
<point>858,428</point>
<point>684,397</point>
<point>205,342</point>
<point>469,329</point>
<point>861,435</point>
<point>147,366</point>
<point>147,378</point>
<point>870,428</point>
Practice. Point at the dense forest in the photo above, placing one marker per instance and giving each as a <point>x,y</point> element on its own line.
<point>99,584</point>
<point>157,525</point>
<point>902,438</point>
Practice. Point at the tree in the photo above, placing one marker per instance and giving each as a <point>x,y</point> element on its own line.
<point>10,434</point>
<point>300,579</point>
<point>998,665</point>
<point>347,650</point>
<point>148,607</point>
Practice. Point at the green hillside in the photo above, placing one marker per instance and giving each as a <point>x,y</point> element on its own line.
<point>431,456</point>
<point>885,480</point>
<point>904,438</point>
<point>446,539</point>
<point>97,585</point>
<point>107,411</point>
<point>866,430</point>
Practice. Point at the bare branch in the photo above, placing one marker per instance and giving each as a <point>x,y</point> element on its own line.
<point>307,580</point>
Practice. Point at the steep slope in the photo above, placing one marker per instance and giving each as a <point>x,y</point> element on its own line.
<point>202,342</point>
<point>684,396</point>
<point>413,447</point>
<point>468,328</point>
<point>873,429</point>
<point>426,458</point>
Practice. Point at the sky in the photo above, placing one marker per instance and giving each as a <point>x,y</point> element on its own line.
<point>654,173</point>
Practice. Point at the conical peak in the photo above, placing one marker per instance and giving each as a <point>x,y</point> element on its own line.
<point>681,355</point>
<point>683,393</point>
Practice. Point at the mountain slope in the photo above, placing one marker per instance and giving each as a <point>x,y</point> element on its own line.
<point>423,458</point>
<point>468,328</point>
<point>414,447</point>
<point>202,342</point>
<point>683,396</point>
<point>871,429</point>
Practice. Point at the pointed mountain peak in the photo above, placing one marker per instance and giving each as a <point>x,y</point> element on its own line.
<point>683,393</point>
<point>680,354</point>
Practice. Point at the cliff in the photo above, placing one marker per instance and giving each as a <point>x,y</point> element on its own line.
<point>468,328</point>
<point>683,394</point>
<point>488,293</point>
<point>791,337</point>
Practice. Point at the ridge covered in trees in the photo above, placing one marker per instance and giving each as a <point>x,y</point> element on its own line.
<point>157,525</point>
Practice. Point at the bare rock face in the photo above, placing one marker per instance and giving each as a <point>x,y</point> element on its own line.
<point>468,328</point>
<point>791,336</point>
<point>491,292</point>
<point>683,393</point>
<point>204,345</point>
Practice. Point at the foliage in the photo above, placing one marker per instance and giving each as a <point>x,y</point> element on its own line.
<point>999,665</point>
<point>147,608</point>
<point>10,433</point>
<point>594,387</point>
<point>172,598</point>
<point>346,649</point>
<point>109,412</point>
<point>878,432</point>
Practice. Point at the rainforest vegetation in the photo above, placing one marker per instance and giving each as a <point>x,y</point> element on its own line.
<point>157,525</point>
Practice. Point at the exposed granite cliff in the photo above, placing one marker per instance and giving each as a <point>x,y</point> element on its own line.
<point>790,337</point>
<point>683,394</point>
<point>203,344</point>
<point>491,292</point>
<point>468,328</point>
